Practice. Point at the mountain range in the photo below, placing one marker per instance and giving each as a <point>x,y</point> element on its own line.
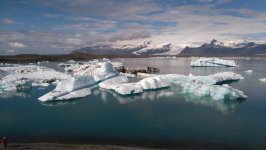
<point>214,48</point>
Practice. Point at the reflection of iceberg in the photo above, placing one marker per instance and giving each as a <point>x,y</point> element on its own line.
<point>150,95</point>
<point>58,103</point>
<point>212,62</point>
<point>10,94</point>
<point>224,106</point>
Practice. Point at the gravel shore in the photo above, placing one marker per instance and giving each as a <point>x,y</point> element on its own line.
<point>55,146</point>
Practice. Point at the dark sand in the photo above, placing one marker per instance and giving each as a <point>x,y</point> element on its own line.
<point>55,146</point>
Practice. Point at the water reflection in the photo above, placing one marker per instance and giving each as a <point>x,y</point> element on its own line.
<point>59,103</point>
<point>10,94</point>
<point>225,106</point>
<point>148,95</point>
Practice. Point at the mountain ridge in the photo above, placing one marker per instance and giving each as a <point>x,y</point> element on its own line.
<point>214,48</point>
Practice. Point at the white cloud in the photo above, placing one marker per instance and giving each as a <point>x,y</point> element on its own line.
<point>17,45</point>
<point>7,21</point>
<point>129,36</point>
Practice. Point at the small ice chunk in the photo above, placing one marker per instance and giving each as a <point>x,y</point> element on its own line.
<point>248,71</point>
<point>130,75</point>
<point>263,79</point>
<point>71,61</point>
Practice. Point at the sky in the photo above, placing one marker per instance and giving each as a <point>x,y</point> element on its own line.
<point>60,26</point>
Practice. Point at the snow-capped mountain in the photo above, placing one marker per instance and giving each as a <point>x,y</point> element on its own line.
<point>231,44</point>
<point>149,47</point>
<point>217,48</point>
<point>146,48</point>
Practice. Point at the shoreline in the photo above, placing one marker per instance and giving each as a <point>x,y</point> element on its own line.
<point>71,146</point>
<point>80,56</point>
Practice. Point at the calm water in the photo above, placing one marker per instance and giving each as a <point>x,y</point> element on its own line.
<point>154,117</point>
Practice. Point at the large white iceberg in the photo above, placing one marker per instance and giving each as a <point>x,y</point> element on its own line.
<point>212,62</point>
<point>86,76</point>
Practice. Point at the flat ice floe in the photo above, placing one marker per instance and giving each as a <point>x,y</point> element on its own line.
<point>18,77</point>
<point>217,78</point>
<point>212,62</point>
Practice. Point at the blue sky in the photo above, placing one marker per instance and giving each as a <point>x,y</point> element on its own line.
<point>60,26</point>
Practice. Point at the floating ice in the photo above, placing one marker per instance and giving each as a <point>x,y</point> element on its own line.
<point>212,62</point>
<point>100,71</point>
<point>215,92</point>
<point>217,78</point>
<point>86,76</point>
<point>64,88</point>
<point>130,75</point>
<point>22,76</point>
<point>263,79</point>
<point>248,71</point>
<point>149,83</point>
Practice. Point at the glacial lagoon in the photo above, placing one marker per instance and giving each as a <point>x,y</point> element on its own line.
<point>159,117</point>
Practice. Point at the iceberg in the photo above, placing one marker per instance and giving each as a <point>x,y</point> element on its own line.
<point>70,88</point>
<point>212,62</point>
<point>215,92</point>
<point>262,80</point>
<point>217,78</point>
<point>100,70</point>
<point>248,71</point>
<point>19,77</point>
<point>150,83</point>
<point>86,76</point>
<point>224,106</point>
